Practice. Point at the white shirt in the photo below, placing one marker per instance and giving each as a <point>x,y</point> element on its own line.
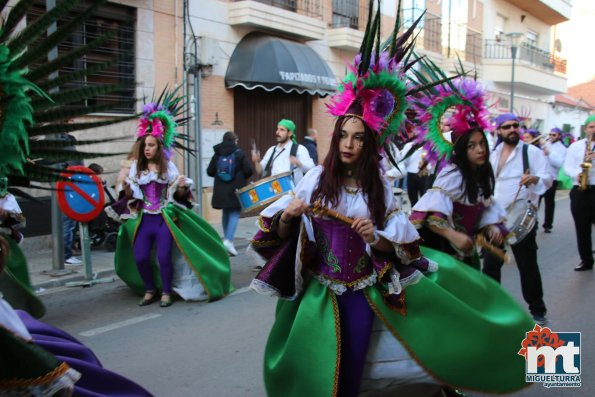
<point>447,189</point>
<point>412,162</point>
<point>555,158</point>
<point>391,172</point>
<point>574,157</point>
<point>508,178</point>
<point>282,164</point>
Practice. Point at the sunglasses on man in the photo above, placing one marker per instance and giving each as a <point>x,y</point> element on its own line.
<point>509,126</point>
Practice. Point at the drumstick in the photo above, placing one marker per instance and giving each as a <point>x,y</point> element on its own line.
<point>500,253</point>
<point>517,193</point>
<point>317,208</point>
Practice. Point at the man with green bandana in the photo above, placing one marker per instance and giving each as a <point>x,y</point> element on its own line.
<point>286,155</point>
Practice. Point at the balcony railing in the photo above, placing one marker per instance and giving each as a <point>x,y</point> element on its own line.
<point>429,29</point>
<point>495,49</point>
<point>311,8</point>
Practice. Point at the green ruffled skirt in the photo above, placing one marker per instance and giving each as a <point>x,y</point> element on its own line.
<point>198,242</point>
<point>15,284</point>
<point>461,327</point>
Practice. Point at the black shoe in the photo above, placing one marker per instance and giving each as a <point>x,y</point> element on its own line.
<point>257,268</point>
<point>166,301</point>
<point>547,229</point>
<point>581,266</point>
<point>153,298</point>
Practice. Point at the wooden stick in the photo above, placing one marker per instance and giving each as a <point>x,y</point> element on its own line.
<point>481,241</point>
<point>318,209</point>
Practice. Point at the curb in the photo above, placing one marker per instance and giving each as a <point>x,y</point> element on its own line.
<point>57,282</point>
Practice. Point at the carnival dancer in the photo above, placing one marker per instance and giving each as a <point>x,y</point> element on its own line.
<point>459,207</point>
<point>40,360</point>
<point>14,281</point>
<point>192,259</point>
<point>522,173</point>
<point>578,165</point>
<point>345,259</point>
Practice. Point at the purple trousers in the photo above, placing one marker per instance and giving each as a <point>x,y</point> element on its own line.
<point>154,230</point>
<point>356,318</point>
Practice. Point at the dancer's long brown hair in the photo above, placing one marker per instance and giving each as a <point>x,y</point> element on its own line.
<point>367,170</point>
<point>142,163</point>
<point>474,180</point>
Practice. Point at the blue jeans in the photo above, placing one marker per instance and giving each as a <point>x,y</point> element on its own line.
<point>231,217</point>
<point>68,225</point>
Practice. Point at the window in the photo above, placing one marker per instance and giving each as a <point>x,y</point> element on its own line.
<point>500,27</point>
<point>531,38</point>
<point>109,17</point>
<point>412,10</point>
<point>346,13</point>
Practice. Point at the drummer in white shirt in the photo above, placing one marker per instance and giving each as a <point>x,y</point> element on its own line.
<point>281,158</point>
<point>555,152</point>
<point>530,181</point>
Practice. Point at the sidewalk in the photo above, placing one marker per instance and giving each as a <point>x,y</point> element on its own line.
<point>43,277</point>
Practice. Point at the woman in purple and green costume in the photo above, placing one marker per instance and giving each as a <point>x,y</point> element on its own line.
<point>191,258</point>
<point>14,281</point>
<point>459,205</point>
<point>339,280</point>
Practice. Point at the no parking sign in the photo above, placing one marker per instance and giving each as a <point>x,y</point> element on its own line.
<point>80,197</point>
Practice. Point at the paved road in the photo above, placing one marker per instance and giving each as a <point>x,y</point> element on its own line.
<point>196,349</point>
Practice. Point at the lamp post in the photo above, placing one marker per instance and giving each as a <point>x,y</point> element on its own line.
<point>515,39</point>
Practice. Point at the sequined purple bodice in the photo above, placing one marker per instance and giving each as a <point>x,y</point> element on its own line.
<point>341,254</point>
<point>154,196</point>
<point>467,216</point>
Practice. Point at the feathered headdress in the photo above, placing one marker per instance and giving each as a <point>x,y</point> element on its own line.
<point>161,117</point>
<point>465,97</point>
<point>381,78</point>
<point>377,78</point>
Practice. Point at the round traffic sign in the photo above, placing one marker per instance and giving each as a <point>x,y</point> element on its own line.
<point>81,196</point>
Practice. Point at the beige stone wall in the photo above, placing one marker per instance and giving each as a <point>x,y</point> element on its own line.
<point>323,123</point>
<point>159,50</point>
<point>215,98</point>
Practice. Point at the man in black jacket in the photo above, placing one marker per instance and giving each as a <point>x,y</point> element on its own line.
<point>224,197</point>
<point>310,144</point>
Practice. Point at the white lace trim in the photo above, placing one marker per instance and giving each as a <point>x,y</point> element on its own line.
<point>339,288</point>
<point>65,382</point>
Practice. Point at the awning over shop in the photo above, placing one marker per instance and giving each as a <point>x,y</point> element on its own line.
<point>272,63</point>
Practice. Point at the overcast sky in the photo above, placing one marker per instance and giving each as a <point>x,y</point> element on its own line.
<point>576,36</point>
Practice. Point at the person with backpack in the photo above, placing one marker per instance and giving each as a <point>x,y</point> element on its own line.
<point>287,155</point>
<point>230,167</point>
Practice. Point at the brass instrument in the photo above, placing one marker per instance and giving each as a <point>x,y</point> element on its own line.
<point>583,177</point>
<point>544,137</point>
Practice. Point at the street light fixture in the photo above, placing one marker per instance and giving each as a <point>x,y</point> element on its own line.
<point>515,40</point>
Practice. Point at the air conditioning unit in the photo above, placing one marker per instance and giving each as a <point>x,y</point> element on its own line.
<point>207,51</point>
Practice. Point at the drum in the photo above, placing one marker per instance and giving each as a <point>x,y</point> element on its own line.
<point>254,197</point>
<point>520,220</point>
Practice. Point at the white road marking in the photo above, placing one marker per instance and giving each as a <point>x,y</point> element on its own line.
<point>240,291</point>
<point>120,324</point>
